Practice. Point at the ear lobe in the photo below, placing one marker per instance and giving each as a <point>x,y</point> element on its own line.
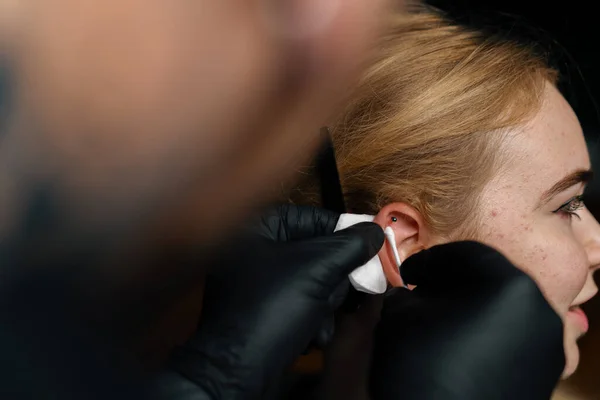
<point>411,236</point>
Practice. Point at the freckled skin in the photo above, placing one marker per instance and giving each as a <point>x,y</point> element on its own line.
<point>559,253</point>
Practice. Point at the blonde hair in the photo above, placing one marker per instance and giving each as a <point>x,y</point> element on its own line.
<point>425,125</point>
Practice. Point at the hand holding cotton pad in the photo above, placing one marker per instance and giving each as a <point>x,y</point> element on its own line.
<point>369,278</point>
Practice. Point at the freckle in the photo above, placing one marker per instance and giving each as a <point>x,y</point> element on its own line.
<point>544,257</point>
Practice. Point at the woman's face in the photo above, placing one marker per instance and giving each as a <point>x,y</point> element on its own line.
<point>531,212</point>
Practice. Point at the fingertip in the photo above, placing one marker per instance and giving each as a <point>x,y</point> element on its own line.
<point>341,253</point>
<point>371,233</point>
<point>368,228</point>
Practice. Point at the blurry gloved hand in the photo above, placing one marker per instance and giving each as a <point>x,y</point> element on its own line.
<point>475,327</point>
<point>267,299</point>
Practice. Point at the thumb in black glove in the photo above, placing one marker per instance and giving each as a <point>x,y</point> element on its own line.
<point>475,327</point>
<point>268,297</point>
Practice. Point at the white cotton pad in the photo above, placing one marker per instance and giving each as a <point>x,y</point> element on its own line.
<point>368,278</point>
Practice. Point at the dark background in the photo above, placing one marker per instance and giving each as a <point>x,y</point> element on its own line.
<point>568,33</point>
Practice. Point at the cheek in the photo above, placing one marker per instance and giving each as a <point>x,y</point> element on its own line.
<point>559,269</point>
<point>551,256</point>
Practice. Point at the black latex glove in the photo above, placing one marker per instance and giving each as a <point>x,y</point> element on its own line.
<point>475,327</point>
<point>266,301</point>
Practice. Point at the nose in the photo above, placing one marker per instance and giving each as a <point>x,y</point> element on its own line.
<point>588,234</point>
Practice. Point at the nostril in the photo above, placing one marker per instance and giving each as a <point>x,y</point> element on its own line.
<point>594,260</point>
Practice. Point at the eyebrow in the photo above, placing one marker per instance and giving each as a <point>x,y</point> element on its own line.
<point>574,178</point>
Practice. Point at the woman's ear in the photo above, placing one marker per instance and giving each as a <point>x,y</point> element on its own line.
<point>412,236</point>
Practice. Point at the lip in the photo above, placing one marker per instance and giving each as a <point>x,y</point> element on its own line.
<point>579,318</point>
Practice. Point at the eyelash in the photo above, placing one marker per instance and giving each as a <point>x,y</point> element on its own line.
<point>571,207</point>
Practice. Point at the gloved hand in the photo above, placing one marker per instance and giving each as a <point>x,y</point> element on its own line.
<point>475,327</point>
<point>267,299</point>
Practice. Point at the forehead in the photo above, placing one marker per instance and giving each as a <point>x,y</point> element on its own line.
<point>548,148</point>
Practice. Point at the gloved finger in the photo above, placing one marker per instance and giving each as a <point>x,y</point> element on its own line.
<point>339,254</point>
<point>325,334</point>
<point>327,330</point>
<point>338,297</point>
<point>291,222</point>
<point>453,262</point>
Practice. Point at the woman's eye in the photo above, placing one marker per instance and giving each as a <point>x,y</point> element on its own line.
<point>571,207</point>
